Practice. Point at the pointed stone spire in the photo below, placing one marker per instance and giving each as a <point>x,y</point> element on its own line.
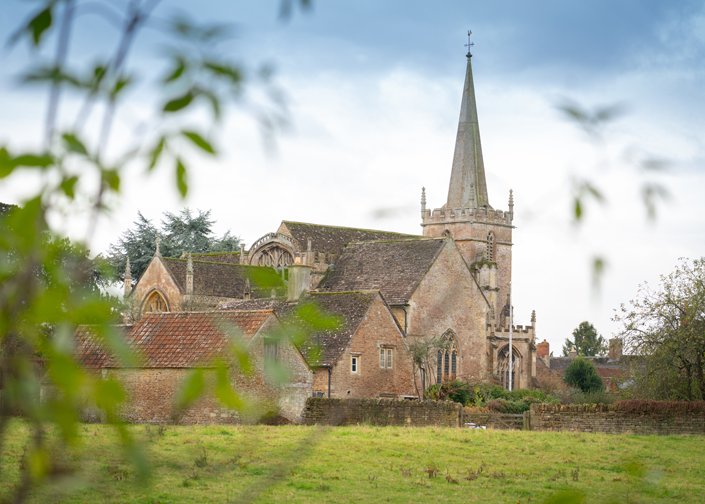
<point>128,277</point>
<point>423,202</point>
<point>468,187</point>
<point>189,275</point>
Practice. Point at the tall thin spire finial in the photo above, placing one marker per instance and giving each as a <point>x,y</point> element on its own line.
<point>469,45</point>
<point>423,201</point>
<point>157,242</point>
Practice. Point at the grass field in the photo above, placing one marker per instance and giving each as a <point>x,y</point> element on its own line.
<point>370,464</point>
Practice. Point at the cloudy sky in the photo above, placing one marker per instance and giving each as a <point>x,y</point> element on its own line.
<point>373,91</point>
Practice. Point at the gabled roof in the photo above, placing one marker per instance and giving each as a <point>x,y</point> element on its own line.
<point>393,267</point>
<point>89,350</point>
<point>333,238</point>
<point>323,348</point>
<point>224,280</point>
<point>175,340</point>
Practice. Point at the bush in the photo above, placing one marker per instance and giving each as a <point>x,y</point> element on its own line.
<point>577,396</point>
<point>482,394</point>
<point>582,374</point>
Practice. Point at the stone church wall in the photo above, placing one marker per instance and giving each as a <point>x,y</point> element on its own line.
<point>614,419</point>
<point>383,412</point>
<point>449,298</point>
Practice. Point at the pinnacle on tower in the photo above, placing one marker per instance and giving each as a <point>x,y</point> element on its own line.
<point>423,201</point>
<point>468,187</point>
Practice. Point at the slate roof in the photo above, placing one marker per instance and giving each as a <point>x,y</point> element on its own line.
<point>218,257</point>
<point>333,238</point>
<point>323,348</point>
<point>393,267</point>
<point>175,340</point>
<point>225,280</point>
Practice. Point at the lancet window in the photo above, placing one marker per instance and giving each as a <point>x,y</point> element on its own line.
<point>156,303</point>
<point>503,367</point>
<point>447,358</point>
<point>490,247</point>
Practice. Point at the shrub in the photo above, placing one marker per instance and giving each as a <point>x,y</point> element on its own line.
<point>482,394</point>
<point>582,374</point>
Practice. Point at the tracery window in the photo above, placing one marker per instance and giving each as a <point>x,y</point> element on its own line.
<point>447,358</point>
<point>156,303</point>
<point>503,367</point>
<point>490,246</point>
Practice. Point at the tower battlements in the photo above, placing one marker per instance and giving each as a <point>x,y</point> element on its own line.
<point>466,215</point>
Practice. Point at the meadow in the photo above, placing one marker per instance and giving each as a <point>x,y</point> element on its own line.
<point>194,464</point>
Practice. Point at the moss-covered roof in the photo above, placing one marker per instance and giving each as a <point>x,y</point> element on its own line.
<point>226,280</point>
<point>393,267</point>
<point>333,238</point>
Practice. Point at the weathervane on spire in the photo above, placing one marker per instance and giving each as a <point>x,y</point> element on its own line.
<point>469,44</point>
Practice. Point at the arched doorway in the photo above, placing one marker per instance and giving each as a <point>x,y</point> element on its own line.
<point>503,367</point>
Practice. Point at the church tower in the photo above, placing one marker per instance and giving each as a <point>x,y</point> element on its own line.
<point>483,234</point>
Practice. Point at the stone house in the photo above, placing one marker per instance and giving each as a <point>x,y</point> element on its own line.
<point>169,346</point>
<point>364,356</point>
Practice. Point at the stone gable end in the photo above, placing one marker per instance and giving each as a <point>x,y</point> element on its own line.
<point>156,276</point>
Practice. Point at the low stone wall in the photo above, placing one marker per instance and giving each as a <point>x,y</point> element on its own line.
<point>614,419</point>
<point>324,411</point>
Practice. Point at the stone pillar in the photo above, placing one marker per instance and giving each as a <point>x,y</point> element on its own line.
<point>189,275</point>
<point>299,281</point>
<point>128,278</point>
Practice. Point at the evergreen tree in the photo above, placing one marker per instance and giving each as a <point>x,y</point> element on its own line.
<point>180,233</point>
<point>582,374</point>
<point>586,341</point>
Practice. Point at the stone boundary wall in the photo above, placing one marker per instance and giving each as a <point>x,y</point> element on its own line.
<point>613,419</point>
<point>322,411</point>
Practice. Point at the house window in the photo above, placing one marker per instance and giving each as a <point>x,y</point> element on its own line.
<point>386,358</point>
<point>354,364</point>
<point>447,358</point>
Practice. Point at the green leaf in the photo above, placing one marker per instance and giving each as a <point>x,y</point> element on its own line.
<point>224,391</point>
<point>119,86</point>
<point>112,179</point>
<point>39,25</point>
<point>191,389</point>
<point>73,144</point>
<point>177,72</point>
<point>68,185</point>
<point>199,141</point>
<point>6,164</point>
<point>33,161</point>
<point>181,182</point>
<point>156,153</point>
<point>232,73</point>
<point>179,103</point>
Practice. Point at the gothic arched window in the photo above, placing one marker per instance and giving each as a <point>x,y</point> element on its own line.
<point>156,303</point>
<point>503,367</point>
<point>447,358</point>
<point>490,247</point>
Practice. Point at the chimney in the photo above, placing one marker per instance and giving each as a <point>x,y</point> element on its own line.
<point>543,351</point>
<point>615,351</point>
<point>189,275</point>
<point>573,352</point>
<point>128,278</point>
<point>299,280</point>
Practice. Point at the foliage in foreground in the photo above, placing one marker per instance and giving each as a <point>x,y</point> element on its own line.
<point>372,464</point>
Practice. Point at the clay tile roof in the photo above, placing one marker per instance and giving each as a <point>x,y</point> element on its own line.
<point>89,350</point>
<point>190,339</point>
<point>323,348</point>
<point>393,267</point>
<point>175,340</point>
<point>225,280</point>
<point>333,238</point>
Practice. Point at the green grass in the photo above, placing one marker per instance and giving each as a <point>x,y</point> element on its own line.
<point>368,464</point>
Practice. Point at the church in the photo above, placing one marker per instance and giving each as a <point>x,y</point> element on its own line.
<point>450,285</point>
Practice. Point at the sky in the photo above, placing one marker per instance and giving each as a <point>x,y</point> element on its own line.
<point>373,94</point>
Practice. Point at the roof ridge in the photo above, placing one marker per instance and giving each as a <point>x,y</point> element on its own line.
<point>214,312</point>
<point>331,293</point>
<point>345,227</point>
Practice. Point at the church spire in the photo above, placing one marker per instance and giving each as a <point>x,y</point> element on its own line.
<point>468,187</point>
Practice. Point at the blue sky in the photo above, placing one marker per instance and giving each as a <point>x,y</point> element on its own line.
<point>374,93</point>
